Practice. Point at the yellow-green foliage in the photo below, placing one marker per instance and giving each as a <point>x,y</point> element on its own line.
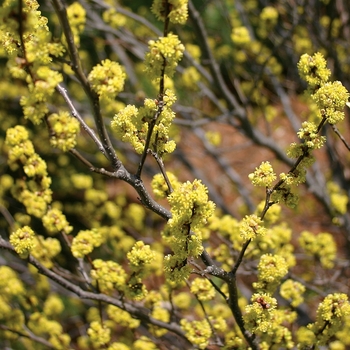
<point>122,124</point>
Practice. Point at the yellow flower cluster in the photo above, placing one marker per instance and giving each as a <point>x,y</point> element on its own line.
<point>109,275</point>
<point>11,290</point>
<point>122,317</point>
<point>23,240</point>
<point>99,334</point>
<point>85,242</point>
<point>271,269</point>
<point>139,256</point>
<point>40,325</point>
<point>30,63</point>
<point>162,314</point>
<point>114,18</point>
<point>178,10</point>
<point>330,317</point>
<point>48,248</point>
<point>55,221</point>
<point>190,209</point>
<point>293,292</point>
<point>263,175</point>
<point>35,103</point>
<point>240,36</point>
<point>107,79</point>
<point>164,54</point>
<point>77,19</point>
<point>339,198</point>
<point>203,289</point>
<point>160,187</point>
<point>64,129</point>
<point>251,227</point>
<point>330,97</point>
<point>313,69</point>
<point>277,240</point>
<point>34,190</point>
<point>53,305</point>
<point>259,315</point>
<point>131,125</point>
<point>144,343</point>
<point>197,332</point>
<point>308,133</point>
<point>321,246</point>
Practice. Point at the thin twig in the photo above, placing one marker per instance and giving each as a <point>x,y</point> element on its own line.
<point>136,311</point>
<point>76,114</point>
<point>28,335</point>
<point>160,163</point>
<point>336,130</point>
<point>151,126</point>
<point>91,94</point>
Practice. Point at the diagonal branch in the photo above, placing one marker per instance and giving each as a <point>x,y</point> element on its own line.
<point>136,311</point>
<point>92,95</point>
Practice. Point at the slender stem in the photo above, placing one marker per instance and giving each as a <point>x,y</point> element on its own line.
<point>76,115</point>
<point>7,215</point>
<point>91,94</point>
<point>335,129</point>
<point>28,335</point>
<point>151,126</point>
<point>240,258</point>
<point>160,163</point>
<point>236,311</point>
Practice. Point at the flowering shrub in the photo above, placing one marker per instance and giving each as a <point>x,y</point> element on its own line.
<point>174,176</point>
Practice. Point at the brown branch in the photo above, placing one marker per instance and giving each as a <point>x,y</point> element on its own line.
<point>92,95</point>
<point>136,311</point>
<point>28,335</point>
<point>336,130</point>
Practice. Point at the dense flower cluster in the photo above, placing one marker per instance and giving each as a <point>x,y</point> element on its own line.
<point>85,242</point>
<point>259,315</point>
<point>109,275</point>
<point>330,318</point>
<point>30,63</point>
<point>339,198</point>
<point>131,125</point>
<point>33,189</point>
<point>178,10</point>
<point>197,332</point>
<point>263,175</point>
<point>160,187</point>
<point>271,269</point>
<point>40,324</point>
<point>190,210</point>
<point>64,129</point>
<point>164,54</point>
<point>321,246</point>
<point>55,221</point>
<point>140,255</point>
<point>240,36</point>
<point>122,317</point>
<point>313,69</point>
<point>203,289</point>
<point>251,227</point>
<point>293,292</point>
<point>330,97</point>
<point>77,19</point>
<point>107,79</point>
<point>99,334</point>
<point>23,240</point>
